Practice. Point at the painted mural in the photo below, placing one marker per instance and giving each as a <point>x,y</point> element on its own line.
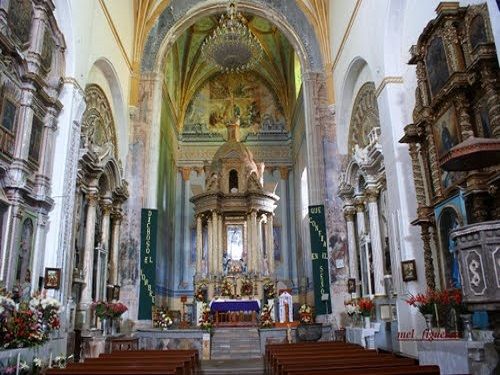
<point>234,97</point>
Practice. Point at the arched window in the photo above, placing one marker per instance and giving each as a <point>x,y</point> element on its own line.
<point>233,181</point>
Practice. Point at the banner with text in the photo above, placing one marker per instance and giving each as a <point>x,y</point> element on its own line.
<point>149,226</point>
<point>319,255</point>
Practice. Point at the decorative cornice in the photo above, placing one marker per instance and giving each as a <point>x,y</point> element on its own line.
<point>386,81</point>
<point>74,82</point>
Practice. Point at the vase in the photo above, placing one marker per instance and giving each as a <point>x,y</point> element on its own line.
<point>367,322</point>
<point>115,326</point>
<point>466,318</point>
<point>106,326</point>
<point>428,321</point>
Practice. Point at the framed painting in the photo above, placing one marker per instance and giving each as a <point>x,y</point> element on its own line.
<point>8,115</point>
<point>351,286</point>
<point>436,65</point>
<point>409,270</point>
<point>52,278</point>
<point>446,131</point>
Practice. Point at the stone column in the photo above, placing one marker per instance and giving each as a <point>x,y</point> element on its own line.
<point>116,217</point>
<point>270,244</point>
<point>185,235</point>
<point>254,240</point>
<point>286,224</point>
<point>376,241</point>
<point>210,254</point>
<point>104,242</point>
<point>199,245</point>
<point>361,228</point>
<point>250,253</point>
<point>349,212</point>
<point>88,259</point>
<point>220,246</point>
<point>315,98</point>
<point>215,243</point>
<point>430,278</point>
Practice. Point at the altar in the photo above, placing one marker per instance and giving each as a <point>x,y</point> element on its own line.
<point>230,312</point>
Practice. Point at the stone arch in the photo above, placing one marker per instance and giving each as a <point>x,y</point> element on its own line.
<point>364,117</point>
<point>180,14</point>
<point>357,72</point>
<point>117,101</point>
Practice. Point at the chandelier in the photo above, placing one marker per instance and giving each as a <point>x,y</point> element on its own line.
<point>232,47</point>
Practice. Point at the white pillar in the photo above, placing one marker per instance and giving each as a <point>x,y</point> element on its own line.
<point>361,228</point>
<point>210,248</point>
<point>220,246</point>
<point>254,240</point>
<point>199,245</point>
<point>270,244</point>
<point>351,243</point>
<point>106,228</point>
<point>376,241</point>
<point>250,253</point>
<point>88,257</point>
<point>186,246</point>
<point>215,242</point>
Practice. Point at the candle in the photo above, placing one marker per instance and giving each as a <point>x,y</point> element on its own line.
<point>17,362</point>
<point>437,316</point>
<point>50,360</point>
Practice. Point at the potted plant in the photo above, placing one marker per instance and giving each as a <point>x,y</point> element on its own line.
<point>365,308</point>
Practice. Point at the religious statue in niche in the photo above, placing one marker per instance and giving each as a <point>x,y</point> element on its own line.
<point>233,258</point>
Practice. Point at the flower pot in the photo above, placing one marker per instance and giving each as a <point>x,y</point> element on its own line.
<point>367,322</point>
<point>309,332</point>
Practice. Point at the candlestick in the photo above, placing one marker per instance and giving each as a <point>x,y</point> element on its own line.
<point>17,363</point>
<point>50,360</point>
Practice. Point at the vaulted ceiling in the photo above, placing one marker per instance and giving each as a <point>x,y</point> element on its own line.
<point>187,72</point>
<point>148,11</point>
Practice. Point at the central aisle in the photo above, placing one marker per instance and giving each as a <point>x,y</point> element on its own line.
<point>252,366</point>
<point>235,343</point>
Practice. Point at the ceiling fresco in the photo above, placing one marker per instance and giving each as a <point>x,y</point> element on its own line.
<point>202,100</point>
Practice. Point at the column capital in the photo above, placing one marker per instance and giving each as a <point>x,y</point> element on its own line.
<point>359,203</point>
<point>106,205</point>
<point>284,172</point>
<point>372,193</point>
<point>185,172</point>
<point>92,198</point>
<point>349,213</point>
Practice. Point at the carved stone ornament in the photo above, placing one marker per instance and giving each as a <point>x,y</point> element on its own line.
<point>98,128</point>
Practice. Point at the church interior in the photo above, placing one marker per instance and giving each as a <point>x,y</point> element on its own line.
<point>262,186</point>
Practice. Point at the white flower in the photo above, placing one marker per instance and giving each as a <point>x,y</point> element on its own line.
<point>23,365</point>
<point>37,362</point>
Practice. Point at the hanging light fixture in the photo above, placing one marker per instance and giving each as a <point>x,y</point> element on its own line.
<point>232,47</point>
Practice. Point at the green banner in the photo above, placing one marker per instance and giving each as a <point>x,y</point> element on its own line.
<point>149,226</point>
<point>319,255</point>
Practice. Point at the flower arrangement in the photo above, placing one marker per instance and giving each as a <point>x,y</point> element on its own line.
<point>205,319</point>
<point>161,318</point>
<point>247,287</point>
<point>426,303</point>
<point>365,306</point>
<point>104,310</point>
<point>269,289</point>
<point>27,323</point>
<point>266,320</point>
<point>61,361</point>
<point>305,314</point>
<point>49,309</point>
<point>351,308</point>
<point>226,288</point>
<point>200,292</point>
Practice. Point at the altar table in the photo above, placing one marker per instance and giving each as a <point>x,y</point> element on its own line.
<point>235,311</point>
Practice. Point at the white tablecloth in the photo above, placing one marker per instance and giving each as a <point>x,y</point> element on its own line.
<point>359,336</point>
